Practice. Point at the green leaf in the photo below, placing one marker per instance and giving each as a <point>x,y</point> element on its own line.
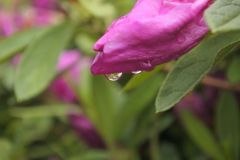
<point>124,6</point>
<point>16,43</point>
<point>233,71</point>
<point>92,155</point>
<point>225,51</point>
<point>169,152</point>
<point>223,15</point>
<point>28,131</point>
<point>138,79</point>
<point>192,68</point>
<point>105,100</point>
<point>201,135</point>
<point>228,122</point>
<point>200,157</point>
<point>100,9</point>
<point>85,43</point>
<point>137,101</point>
<point>84,90</point>
<point>138,131</point>
<point>5,148</point>
<point>41,111</point>
<point>38,65</point>
<point>7,75</point>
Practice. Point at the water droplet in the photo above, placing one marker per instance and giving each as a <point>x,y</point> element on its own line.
<point>136,72</point>
<point>113,76</point>
<point>200,21</point>
<point>181,37</point>
<point>149,63</point>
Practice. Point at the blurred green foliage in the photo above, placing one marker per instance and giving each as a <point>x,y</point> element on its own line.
<point>35,124</point>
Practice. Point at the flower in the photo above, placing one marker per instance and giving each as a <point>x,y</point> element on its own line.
<point>85,130</point>
<point>60,87</point>
<point>40,13</point>
<point>194,103</point>
<point>154,32</point>
<point>8,22</point>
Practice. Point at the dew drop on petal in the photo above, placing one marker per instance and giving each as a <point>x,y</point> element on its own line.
<point>200,19</point>
<point>136,72</point>
<point>181,38</point>
<point>149,63</point>
<point>113,76</point>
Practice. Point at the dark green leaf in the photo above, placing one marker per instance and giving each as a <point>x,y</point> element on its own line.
<point>228,122</point>
<point>192,68</point>
<point>168,151</point>
<point>223,15</point>
<point>38,65</point>
<point>16,43</point>
<point>28,131</point>
<point>92,155</point>
<point>201,135</point>
<point>225,51</point>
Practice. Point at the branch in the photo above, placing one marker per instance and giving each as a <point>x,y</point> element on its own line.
<point>212,81</point>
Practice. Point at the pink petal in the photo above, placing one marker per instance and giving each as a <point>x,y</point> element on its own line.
<point>154,32</point>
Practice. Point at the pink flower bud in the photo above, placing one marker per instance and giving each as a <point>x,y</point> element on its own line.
<point>194,103</point>
<point>60,88</point>
<point>74,62</point>
<point>85,130</point>
<point>154,32</point>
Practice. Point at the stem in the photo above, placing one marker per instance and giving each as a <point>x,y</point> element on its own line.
<point>154,148</point>
<point>212,81</point>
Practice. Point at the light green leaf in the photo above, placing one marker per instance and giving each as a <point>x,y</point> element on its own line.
<point>85,43</point>
<point>223,15</point>
<point>7,75</point>
<point>138,79</point>
<point>84,90</point>
<point>228,122</point>
<point>201,135</point>
<point>38,65</point>
<point>100,9</point>
<point>124,6</point>
<point>192,68</point>
<point>5,148</point>
<point>137,101</point>
<point>233,71</point>
<point>16,43</point>
<point>105,94</point>
<point>42,111</point>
